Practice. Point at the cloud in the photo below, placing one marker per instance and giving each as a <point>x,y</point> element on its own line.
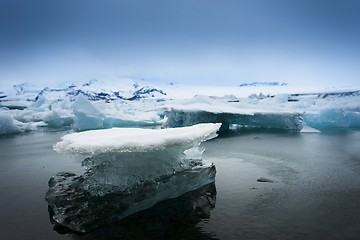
<point>204,42</point>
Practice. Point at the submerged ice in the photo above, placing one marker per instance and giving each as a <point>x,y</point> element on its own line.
<point>127,170</point>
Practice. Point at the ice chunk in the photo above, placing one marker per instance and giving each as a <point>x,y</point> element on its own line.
<point>308,129</point>
<point>57,118</point>
<point>244,113</point>
<point>87,116</point>
<point>330,109</point>
<point>110,122</point>
<point>9,125</point>
<point>292,121</point>
<point>128,170</point>
<point>189,210</point>
<point>123,113</point>
<point>193,205</point>
<point>334,117</point>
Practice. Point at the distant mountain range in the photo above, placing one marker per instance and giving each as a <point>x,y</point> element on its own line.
<point>92,90</point>
<point>256,84</point>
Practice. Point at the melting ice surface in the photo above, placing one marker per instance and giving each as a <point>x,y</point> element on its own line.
<point>133,103</point>
<point>127,170</point>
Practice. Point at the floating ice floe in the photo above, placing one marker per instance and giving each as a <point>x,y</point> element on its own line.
<point>328,109</point>
<point>127,170</point>
<point>232,114</point>
<point>9,125</point>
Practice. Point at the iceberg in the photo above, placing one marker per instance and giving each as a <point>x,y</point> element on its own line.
<point>127,170</point>
<point>77,105</point>
<point>334,118</point>
<point>9,125</point>
<point>232,114</point>
<point>98,104</point>
<point>264,120</point>
<point>338,109</point>
<point>192,207</point>
<point>87,116</point>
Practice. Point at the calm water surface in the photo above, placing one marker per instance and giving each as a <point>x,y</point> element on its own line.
<point>315,193</point>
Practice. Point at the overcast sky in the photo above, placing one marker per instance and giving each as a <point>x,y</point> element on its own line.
<point>225,42</point>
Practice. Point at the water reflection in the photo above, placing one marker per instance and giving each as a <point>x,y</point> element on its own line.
<point>171,219</point>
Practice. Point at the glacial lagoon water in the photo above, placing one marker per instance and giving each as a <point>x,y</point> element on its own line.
<point>314,193</point>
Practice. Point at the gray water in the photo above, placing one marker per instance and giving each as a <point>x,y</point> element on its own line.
<point>315,193</point>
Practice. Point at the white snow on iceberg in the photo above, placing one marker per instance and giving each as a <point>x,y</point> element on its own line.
<point>135,139</point>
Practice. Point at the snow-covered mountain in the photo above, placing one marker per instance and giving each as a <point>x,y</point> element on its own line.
<point>256,84</point>
<point>94,90</point>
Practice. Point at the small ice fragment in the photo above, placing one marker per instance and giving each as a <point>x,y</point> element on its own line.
<point>262,179</point>
<point>308,129</point>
